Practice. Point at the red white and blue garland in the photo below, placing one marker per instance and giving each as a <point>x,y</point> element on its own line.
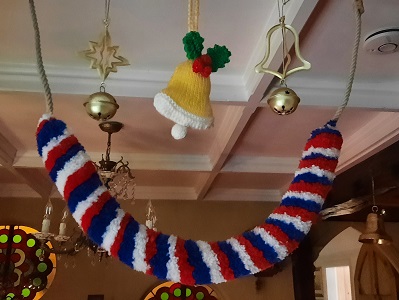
<point>170,257</point>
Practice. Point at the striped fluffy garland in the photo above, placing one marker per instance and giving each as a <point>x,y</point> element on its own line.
<point>170,257</point>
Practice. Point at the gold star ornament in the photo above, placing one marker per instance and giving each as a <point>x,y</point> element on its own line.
<point>103,56</point>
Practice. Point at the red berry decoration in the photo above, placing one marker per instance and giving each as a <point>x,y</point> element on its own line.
<point>207,71</point>
<point>206,59</point>
<point>197,66</point>
<point>203,65</point>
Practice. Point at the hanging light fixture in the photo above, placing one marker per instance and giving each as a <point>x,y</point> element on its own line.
<point>62,243</point>
<point>375,230</point>
<point>116,175</point>
<point>283,101</point>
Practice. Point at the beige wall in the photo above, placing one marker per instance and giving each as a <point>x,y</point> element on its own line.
<point>188,219</point>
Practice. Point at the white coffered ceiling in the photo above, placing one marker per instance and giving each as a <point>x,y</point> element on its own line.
<point>250,154</point>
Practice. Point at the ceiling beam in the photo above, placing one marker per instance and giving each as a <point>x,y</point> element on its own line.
<point>36,181</point>
<point>379,133</point>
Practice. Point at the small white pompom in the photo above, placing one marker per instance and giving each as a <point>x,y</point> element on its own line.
<point>179,131</point>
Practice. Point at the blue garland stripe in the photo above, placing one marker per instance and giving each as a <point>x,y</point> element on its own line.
<point>161,258</point>
<point>268,251</point>
<point>126,249</point>
<point>289,229</point>
<point>305,204</point>
<point>201,271</point>
<point>51,129</point>
<point>62,160</point>
<point>100,222</point>
<point>83,191</point>
<point>236,264</point>
<point>311,178</point>
<point>318,155</point>
<point>326,129</point>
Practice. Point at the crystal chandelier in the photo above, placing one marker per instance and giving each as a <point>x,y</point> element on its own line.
<point>63,244</point>
<point>116,176</point>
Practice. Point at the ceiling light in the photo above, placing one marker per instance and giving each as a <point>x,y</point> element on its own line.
<point>383,41</point>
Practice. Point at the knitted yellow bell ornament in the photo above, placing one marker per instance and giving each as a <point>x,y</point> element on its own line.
<point>185,100</point>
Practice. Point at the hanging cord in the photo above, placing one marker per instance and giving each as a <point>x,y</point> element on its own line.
<point>42,72</point>
<point>359,10</point>
<point>374,208</point>
<point>106,17</point>
<point>285,53</point>
<point>193,13</point>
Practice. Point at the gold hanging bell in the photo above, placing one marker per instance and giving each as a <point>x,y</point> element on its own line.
<point>283,101</point>
<point>101,106</point>
<point>375,231</point>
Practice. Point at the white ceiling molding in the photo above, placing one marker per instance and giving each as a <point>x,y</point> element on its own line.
<point>329,91</point>
<point>138,161</point>
<point>231,194</point>
<point>164,193</point>
<point>84,81</point>
<point>253,164</point>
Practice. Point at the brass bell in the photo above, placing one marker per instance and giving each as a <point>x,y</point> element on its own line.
<point>283,101</point>
<point>375,231</point>
<point>101,106</point>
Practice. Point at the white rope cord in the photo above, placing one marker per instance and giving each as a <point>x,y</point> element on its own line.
<point>42,72</point>
<point>358,11</point>
<point>193,13</point>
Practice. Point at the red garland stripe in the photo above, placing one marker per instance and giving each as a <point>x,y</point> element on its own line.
<point>323,163</point>
<point>314,188</point>
<point>323,139</point>
<point>94,210</point>
<point>119,237</point>
<point>186,270</point>
<point>224,262</point>
<point>77,178</point>
<point>256,255</point>
<point>59,151</point>
<point>41,124</point>
<point>151,248</point>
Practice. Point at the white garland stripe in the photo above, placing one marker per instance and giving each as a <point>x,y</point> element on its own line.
<point>316,171</point>
<point>270,240</point>
<point>141,240</point>
<point>172,266</point>
<point>328,152</point>
<point>54,142</point>
<point>112,230</point>
<point>244,256</point>
<point>70,167</point>
<point>296,221</point>
<point>306,196</point>
<point>44,117</point>
<point>210,259</point>
<point>84,205</point>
